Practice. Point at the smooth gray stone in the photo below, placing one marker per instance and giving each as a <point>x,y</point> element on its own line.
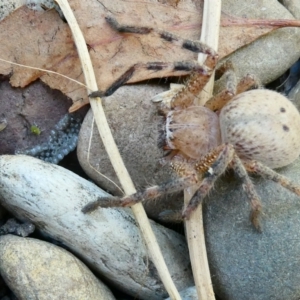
<point>34,269</point>
<point>108,240</point>
<point>271,55</point>
<point>244,263</point>
<point>135,124</point>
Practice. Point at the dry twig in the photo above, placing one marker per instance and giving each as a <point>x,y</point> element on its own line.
<point>113,151</point>
<point>194,226</point>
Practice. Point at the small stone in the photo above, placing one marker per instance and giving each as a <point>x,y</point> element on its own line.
<point>34,269</point>
<point>18,228</point>
<point>270,56</point>
<point>135,125</point>
<point>244,263</point>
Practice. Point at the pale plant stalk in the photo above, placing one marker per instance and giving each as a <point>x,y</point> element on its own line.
<point>114,154</point>
<point>194,226</point>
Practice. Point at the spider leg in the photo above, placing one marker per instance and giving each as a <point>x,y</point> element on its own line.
<point>102,202</point>
<point>190,66</point>
<point>266,172</point>
<point>189,177</point>
<point>214,172</point>
<point>220,99</point>
<point>232,87</point>
<point>193,46</point>
<point>241,85</point>
<point>247,82</point>
<point>186,95</point>
<point>201,166</point>
<point>249,188</point>
<point>193,66</point>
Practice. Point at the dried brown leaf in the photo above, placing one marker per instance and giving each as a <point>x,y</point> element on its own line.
<point>43,40</point>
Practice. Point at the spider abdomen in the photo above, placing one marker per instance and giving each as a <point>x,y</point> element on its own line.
<point>194,131</point>
<point>262,125</point>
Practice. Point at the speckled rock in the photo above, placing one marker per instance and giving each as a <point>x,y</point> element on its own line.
<point>245,264</point>
<point>135,125</point>
<point>13,226</point>
<point>8,6</point>
<point>35,269</point>
<point>109,240</point>
<point>61,141</point>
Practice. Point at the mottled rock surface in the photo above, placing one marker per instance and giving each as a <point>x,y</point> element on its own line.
<point>135,125</point>
<point>35,269</point>
<point>245,264</point>
<point>108,240</point>
<point>37,122</point>
<point>18,228</point>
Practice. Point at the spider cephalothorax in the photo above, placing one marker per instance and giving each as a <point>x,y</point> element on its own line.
<point>252,131</point>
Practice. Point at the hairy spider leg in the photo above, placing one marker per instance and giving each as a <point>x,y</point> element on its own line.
<point>193,46</point>
<point>213,173</point>
<point>188,175</point>
<point>201,166</point>
<point>264,171</point>
<point>148,194</point>
<point>232,87</point>
<point>256,207</point>
<point>203,72</point>
<point>185,97</point>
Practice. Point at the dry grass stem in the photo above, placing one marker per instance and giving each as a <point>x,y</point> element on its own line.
<point>194,227</point>
<point>114,154</point>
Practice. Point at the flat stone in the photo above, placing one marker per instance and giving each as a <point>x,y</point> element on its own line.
<point>244,263</point>
<point>34,269</point>
<point>108,240</point>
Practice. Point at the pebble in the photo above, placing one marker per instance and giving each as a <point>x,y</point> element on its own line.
<point>135,126</point>
<point>109,240</point>
<point>18,228</point>
<point>245,264</point>
<point>35,269</point>
<point>270,56</point>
